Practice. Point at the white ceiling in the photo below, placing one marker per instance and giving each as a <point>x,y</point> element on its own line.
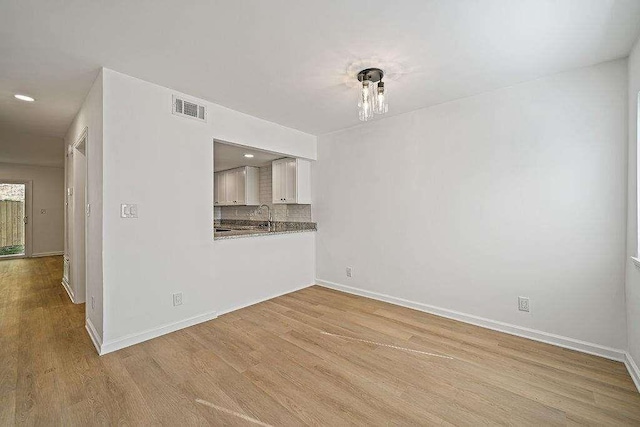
<point>288,61</point>
<point>226,156</point>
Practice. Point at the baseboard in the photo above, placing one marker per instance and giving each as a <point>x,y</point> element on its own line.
<point>258,301</point>
<point>129,340</point>
<point>93,334</point>
<point>633,370</point>
<point>67,288</point>
<point>41,254</point>
<point>533,334</point>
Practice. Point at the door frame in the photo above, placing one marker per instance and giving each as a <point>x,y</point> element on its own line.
<point>82,140</point>
<point>28,227</point>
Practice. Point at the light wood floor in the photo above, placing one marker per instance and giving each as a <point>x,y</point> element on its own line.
<point>316,357</point>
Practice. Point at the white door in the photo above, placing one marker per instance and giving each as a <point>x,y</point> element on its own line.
<point>79,214</point>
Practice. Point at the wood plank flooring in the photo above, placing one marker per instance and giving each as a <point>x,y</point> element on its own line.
<point>312,357</point>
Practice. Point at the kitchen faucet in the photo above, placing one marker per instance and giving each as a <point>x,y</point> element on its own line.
<point>269,212</point>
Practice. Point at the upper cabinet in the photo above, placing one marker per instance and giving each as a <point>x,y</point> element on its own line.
<point>219,190</point>
<point>291,181</point>
<point>237,187</point>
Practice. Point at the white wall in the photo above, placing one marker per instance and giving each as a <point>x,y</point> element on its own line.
<point>239,128</point>
<point>47,193</point>
<point>164,164</point>
<point>468,205</point>
<point>27,149</point>
<point>633,272</point>
<point>90,117</point>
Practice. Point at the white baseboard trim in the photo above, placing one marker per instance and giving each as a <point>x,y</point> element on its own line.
<point>93,334</point>
<point>136,338</point>
<point>533,334</point>
<point>67,288</point>
<point>129,340</point>
<point>633,369</point>
<point>41,254</point>
<point>258,301</point>
<point>8,257</point>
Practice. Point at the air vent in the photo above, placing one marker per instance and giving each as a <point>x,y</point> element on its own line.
<point>186,108</point>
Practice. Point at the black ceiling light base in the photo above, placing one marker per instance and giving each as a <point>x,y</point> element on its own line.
<point>371,75</point>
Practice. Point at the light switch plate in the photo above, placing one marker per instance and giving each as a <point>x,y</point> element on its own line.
<point>128,211</point>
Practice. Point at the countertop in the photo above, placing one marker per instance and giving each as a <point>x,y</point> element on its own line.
<point>241,228</point>
<point>235,234</point>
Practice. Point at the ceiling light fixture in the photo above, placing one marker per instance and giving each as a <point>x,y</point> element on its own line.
<point>248,156</point>
<point>373,97</point>
<point>23,97</point>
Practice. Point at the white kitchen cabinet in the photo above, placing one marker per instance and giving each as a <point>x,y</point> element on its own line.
<point>291,181</point>
<point>219,191</point>
<point>237,187</point>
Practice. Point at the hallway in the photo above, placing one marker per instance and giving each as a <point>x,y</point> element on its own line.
<point>41,335</point>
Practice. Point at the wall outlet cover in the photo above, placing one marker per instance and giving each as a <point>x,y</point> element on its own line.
<point>349,272</point>
<point>177,299</point>
<point>523,304</point>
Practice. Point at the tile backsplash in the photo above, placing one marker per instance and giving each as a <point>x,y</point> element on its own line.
<point>291,213</point>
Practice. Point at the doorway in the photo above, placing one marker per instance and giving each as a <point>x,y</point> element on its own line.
<point>74,267</point>
<point>14,218</point>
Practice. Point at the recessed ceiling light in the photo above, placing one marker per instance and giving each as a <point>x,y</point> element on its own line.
<point>248,156</point>
<point>24,97</point>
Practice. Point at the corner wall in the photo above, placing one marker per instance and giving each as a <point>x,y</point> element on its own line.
<point>462,207</point>
<point>90,117</point>
<point>164,164</point>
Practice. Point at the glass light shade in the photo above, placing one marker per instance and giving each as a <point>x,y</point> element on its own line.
<point>366,101</point>
<point>380,105</point>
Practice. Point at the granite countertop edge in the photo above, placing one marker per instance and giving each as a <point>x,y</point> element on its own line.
<point>261,233</point>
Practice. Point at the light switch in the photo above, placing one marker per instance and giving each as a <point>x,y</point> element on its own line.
<point>128,211</point>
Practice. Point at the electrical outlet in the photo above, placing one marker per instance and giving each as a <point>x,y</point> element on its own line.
<point>349,272</point>
<point>177,299</point>
<point>43,211</point>
<point>523,304</point>
<point>93,303</point>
